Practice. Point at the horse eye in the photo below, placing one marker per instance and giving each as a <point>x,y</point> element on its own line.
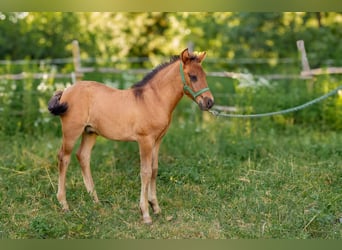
<point>193,78</point>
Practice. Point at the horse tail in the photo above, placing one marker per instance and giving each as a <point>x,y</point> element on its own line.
<point>55,107</point>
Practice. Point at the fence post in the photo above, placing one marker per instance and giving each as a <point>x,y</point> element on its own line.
<point>305,62</point>
<point>190,45</point>
<point>77,60</point>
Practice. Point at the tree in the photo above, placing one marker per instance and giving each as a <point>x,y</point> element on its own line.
<point>149,34</point>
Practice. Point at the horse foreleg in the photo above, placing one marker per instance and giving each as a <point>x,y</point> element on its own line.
<point>152,192</point>
<point>145,148</point>
<point>83,155</point>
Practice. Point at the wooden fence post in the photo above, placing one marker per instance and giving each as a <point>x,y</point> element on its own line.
<point>77,60</point>
<point>305,62</point>
<point>306,71</point>
<point>190,45</point>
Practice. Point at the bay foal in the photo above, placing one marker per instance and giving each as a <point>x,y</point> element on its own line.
<point>141,113</point>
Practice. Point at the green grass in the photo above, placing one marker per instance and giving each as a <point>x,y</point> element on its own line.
<point>218,179</point>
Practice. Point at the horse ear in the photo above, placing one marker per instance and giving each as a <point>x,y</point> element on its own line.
<point>185,55</point>
<point>201,56</point>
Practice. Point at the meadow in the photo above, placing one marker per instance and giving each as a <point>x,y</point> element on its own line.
<point>212,184</point>
<point>276,177</point>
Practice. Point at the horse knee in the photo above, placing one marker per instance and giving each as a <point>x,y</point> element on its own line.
<point>60,155</point>
<point>63,158</point>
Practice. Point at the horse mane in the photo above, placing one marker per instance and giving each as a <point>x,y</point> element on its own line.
<point>138,88</point>
<point>151,74</point>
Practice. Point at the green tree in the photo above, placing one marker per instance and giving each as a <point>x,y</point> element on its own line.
<point>38,34</point>
<point>10,33</point>
<point>122,34</point>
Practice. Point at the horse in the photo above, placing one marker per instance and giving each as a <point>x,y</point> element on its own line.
<point>141,113</point>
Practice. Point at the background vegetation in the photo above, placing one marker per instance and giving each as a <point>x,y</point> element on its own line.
<point>275,177</point>
<point>120,35</point>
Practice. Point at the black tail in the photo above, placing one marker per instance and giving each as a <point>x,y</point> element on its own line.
<point>55,107</point>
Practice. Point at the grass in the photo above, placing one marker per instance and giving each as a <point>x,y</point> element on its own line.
<point>218,179</point>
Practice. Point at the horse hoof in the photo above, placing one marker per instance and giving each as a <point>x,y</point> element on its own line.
<point>65,209</point>
<point>155,207</point>
<point>157,211</point>
<point>147,220</point>
<point>65,206</point>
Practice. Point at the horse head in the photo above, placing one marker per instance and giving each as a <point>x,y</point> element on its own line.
<point>194,79</point>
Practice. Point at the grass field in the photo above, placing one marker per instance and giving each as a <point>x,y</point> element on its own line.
<point>218,179</point>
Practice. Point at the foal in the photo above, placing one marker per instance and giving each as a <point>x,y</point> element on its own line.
<point>141,113</point>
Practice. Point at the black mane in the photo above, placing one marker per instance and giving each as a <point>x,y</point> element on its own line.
<point>138,87</point>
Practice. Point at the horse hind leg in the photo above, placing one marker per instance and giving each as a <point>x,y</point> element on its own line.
<point>152,192</point>
<point>145,148</point>
<point>63,163</point>
<point>83,155</point>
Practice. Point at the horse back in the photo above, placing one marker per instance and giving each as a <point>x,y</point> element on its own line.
<point>112,113</point>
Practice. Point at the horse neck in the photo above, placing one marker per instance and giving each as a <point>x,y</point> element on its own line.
<point>167,85</point>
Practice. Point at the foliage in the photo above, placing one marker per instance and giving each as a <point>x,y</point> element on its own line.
<point>38,35</point>
<point>223,34</point>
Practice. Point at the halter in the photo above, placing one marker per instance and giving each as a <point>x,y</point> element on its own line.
<point>187,88</point>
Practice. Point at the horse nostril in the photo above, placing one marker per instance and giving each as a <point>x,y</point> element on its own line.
<point>206,103</point>
<point>209,103</point>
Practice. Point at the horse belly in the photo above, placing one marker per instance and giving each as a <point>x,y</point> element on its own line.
<point>112,123</point>
<point>131,127</point>
<point>116,131</point>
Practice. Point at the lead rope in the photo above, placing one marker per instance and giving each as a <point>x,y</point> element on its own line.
<point>303,106</point>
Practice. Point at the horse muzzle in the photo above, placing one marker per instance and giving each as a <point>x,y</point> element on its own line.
<point>206,103</point>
